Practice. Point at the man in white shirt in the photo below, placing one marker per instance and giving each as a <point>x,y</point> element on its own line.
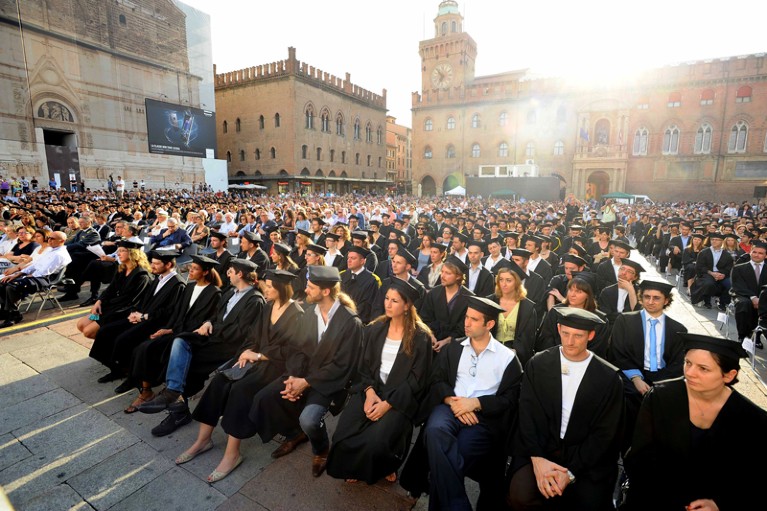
<point>119,187</point>
<point>23,282</point>
<point>229,227</point>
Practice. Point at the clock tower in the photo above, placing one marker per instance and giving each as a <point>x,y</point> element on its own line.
<point>447,60</point>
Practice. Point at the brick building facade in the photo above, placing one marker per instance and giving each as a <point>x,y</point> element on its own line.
<point>691,131</point>
<point>293,128</point>
<point>75,76</point>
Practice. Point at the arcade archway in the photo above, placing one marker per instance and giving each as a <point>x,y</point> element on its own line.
<point>428,186</point>
<point>597,185</point>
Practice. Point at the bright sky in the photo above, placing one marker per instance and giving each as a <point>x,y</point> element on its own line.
<point>377,42</point>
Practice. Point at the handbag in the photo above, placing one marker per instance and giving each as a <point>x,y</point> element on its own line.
<point>233,372</point>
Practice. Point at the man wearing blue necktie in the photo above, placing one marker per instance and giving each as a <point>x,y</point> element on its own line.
<point>646,345</point>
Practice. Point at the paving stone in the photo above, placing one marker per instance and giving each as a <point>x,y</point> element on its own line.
<point>175,490</point>
<point>63,446</point>
<point>20,382</point>
<point>119,476</point>
<point>36,408</point>
<point>61,497</point>
<point>22,340</point>
<point>239,502</point>
<point>11,451</point>
<point>56,352</point>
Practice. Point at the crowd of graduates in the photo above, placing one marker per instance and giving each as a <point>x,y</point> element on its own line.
<point>519,340</point>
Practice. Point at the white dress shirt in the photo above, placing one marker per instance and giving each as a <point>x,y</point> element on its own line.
<point>490,366</point>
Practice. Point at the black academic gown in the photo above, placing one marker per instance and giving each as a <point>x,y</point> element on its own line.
<point>210,351</point>
<point>378,304</point>
<point>445,320</point>
<point>536,291</point>
<point>115,341</point>
<point>545,271</point>
<point>328,369</point>
<point>590,446</point>
<point>485,282</point>
<point>282,344</point>
<point>608,303</point>
<point>671,462</point>
<point>605,275</point>
<point>123,294</point>
<point>548,335</point>
<point>223,266</point>
<point>150,358</point>
<point>367,450</point>
<point>260,258</point>
<point>363,290</point>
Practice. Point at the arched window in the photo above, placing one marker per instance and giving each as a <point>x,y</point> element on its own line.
<point>332,173</point>
<point>427,152</point>
<point>475,121</point>
<point>502,119</point>
<point>452,26</point>
<point>304,151</point>
<point>428,125</point>
<point>319,173</point>
<point>276,120</point>
<point>229,156</point>
<point>503,150</point>
<point>451,123</point>
<point>273,153</point>
<point>319,154</point>
<point>357,129</point>
<point>226,127</point>
<point>379,135</point>
<point>242,155</point>
<point>260,122</point>
<point>309,118</point>
<point>738,138</point>
<point>325,121</point>
<point>743,95</point>
<point>258,154</point>
<point>450,153</point>
<point>340,125</point>
<point>671,140</point>
<point>530,150</point>
<point>602,132</point>
<point>559,148</point>
<point>368,133</point>
<point>640,142</point>
<point>240,173</point>
<point>475,152</point>
<point>305,172</point>
<point>703,140</point>
<point>237,125</point>
<point>444,27</point>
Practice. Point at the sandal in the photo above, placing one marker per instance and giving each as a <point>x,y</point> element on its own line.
<point>145,395</point>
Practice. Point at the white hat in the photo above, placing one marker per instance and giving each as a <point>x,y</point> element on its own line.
<point>162,212</point>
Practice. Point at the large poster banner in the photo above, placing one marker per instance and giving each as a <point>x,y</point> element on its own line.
<point>180,130</point>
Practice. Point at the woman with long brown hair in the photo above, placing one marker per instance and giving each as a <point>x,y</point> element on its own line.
<point>516,326</point>
<point>124,292</point>
<point>580,294</point>
<point>374,432</point>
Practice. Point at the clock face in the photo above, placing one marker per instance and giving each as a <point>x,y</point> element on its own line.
<point>442,76</point>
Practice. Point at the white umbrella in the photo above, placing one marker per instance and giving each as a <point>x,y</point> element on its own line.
<point>458,190</point>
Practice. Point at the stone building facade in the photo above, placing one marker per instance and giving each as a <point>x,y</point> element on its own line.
<point>75,76</point>
<point>294,128</point>
<point>399,156</point>
<point>690,131</point>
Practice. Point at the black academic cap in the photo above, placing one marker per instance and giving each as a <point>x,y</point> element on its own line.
<point>588,277</point>
<point>576,227</point>
<point>574,259</point>
<point>461,236</point>
<point>458,263</point>
<point>283,276</point>
<point>324,274</point>
<point>251,236</point>
<point>405,288</point>
<point>405,253</point>
<point>442,247</point>
<point>282,248</point>
<point>377,223</point>
<point>304,232</point>
<point>698,235</point>
<point>578,318</point>
<point>716,236</point>
<point>360,235</point>
<point>485,305</point>
<point>331,236</point>
<point>219,235</point>
<point>719,345</point>
<point>621,244</point>
<point>243,265</point>
<point>271,228</point>
<point>165,256</point>
<point>521,252</point>
<point>317,249</point>
<point>130,243</point>
<point>360,250</point>
<point>478,243</point>
<point>759,244</point>
<point>659,285</point>
<point>318,219</point>
<point>204,262</point>
<point>518,270</point>
<point>635,265</point>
